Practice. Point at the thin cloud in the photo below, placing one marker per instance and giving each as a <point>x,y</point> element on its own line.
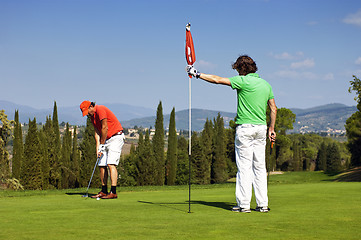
<point>329,76</point>
<point>294,75</point>
<point>353,18</point>
<point>205,64</point>
<point>307,63</point>
<point>287,56</point>
<point>358,61</point>
<point>312,23</point>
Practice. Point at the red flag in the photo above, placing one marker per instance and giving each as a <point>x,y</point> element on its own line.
<point>190,54</point>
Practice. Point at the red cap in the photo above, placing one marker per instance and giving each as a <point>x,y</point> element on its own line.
<point>84,106</point>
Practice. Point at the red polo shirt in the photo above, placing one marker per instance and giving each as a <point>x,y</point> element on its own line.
<point>102,112</point>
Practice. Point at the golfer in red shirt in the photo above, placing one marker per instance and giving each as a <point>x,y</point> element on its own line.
<point>109,139</point>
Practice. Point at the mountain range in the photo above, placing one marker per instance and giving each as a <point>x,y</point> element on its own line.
<point>72,115</point>
<point>316,119</point>
<point>326,118</point>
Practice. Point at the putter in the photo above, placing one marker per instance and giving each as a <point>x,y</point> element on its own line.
<point>98,159</point>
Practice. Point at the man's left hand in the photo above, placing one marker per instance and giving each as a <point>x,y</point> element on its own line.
<point>192,71</point>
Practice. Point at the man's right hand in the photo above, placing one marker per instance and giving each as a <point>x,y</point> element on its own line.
<point>272,135</point>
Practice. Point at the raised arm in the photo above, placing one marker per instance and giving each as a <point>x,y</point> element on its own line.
<point>215,79</point>
<point>208,77</point>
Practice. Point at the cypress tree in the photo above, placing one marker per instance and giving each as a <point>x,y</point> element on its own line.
<point>146,164</point>
<point>333,158</point>
<point>32,167</point>
<point>321,161</point>
<point>44,146</point>
<point>51,155</point>
<point>172,151</point>
<point>297,157</point>
<point>65,158</point>
<point>74,166</point>
<point>230,151</point>
<point>199,175</point>
<point>207,146</point>
<point>158,147</point>
<point>88,157</point>
<point>182,161</point>
<point>219,165</point>
<point>18,148</point>
<point>56,148</point>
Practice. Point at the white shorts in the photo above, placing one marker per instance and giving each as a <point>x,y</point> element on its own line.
<point>113,149</point>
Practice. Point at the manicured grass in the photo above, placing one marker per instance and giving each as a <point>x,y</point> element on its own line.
<point>303,206</point>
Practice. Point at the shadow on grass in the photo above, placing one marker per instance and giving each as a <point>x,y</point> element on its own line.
<point>80,194</point>
<point>223,205</point>
<point>352,175</point>
<point>167,205</point>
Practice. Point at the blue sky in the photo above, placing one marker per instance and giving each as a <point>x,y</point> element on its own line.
<point>132,52</point>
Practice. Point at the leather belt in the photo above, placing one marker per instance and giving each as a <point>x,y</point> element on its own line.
<point>118,133</point>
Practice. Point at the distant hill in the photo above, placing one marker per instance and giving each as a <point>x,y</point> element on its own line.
<point>316,119</point>
<point>199,116</point>
<point>330,117</point>
<point>72,114</point>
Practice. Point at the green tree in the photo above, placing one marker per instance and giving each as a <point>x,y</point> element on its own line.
<point>284,153</point>
<point>65,168</point>
<point>321,161</point>
<point>50,154</point>
<point>230,134</point>
<point>199,174</point>
<point>206,140</point>
<point>75,156</point>
<point>128,168</point>
<point>219,164</point>
<point>353,125</point>
<point>172,150</point>
<point>18,147</point>
<point>333,159</point>
<point>32,176</point>
<point>284,121</point>
<point>296,157</point>
<point>158,147</point>
<point>88,157</point>
<point>182,162</point>
<point>146,163</point>
<point>56,168</point>
<point>5,132</point>
<point>45,166</point>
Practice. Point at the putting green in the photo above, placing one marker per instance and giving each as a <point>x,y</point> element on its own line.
<point>312,210</point>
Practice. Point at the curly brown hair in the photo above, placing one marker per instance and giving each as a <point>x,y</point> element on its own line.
<point>245,65</point>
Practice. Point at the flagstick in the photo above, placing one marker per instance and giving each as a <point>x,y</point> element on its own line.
<point>190,143</point>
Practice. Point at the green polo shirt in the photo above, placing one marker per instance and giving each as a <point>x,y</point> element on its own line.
<point>253,94</point>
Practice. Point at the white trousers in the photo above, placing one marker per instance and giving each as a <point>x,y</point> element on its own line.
<point>250,143</point>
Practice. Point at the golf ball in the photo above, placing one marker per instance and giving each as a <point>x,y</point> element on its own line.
<point>98,198</point>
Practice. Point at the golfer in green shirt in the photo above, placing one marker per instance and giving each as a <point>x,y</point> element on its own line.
<point>253,94</point>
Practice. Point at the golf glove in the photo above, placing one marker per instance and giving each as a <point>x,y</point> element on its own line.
<point>101,148</point>
<point>192,71</point>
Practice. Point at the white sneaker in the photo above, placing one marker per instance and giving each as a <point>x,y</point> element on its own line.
<point>239,209</point>
<point>262,209</point>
